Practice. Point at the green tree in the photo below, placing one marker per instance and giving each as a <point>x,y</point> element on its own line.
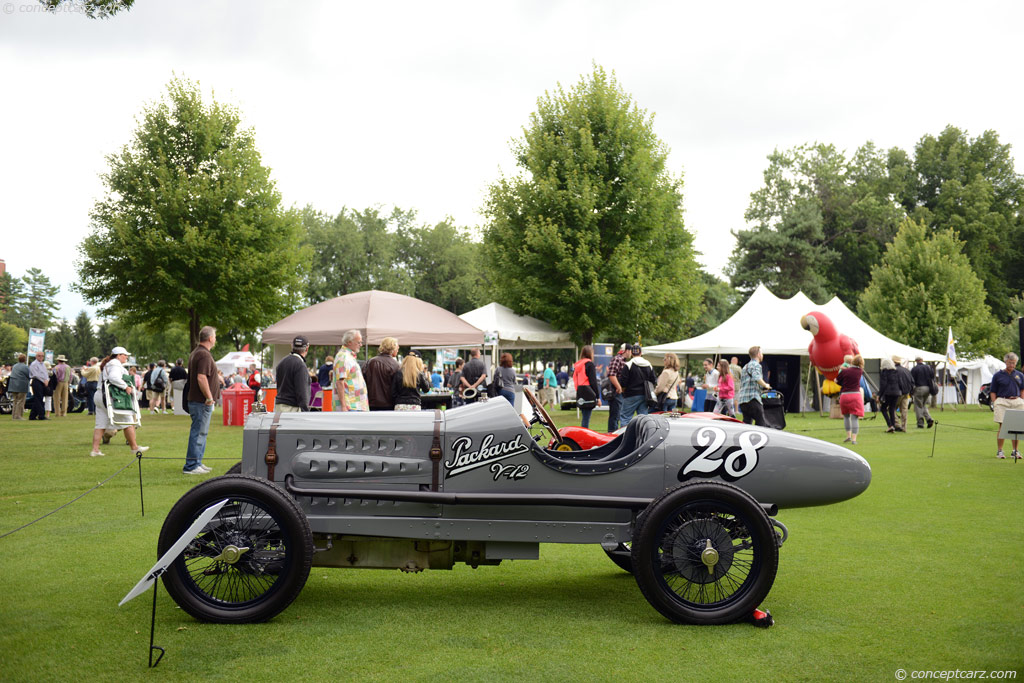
<point>84,344</point>
<point>13,340</point>
<point>37,306</point>
<point>720,301</point>
<point>149,343</point>
<point>1009,335</point>
<point>61,338</point>
<point>819,223</point>
<point>106,338</point>
<point>970,185</point>
<point>925,285</point>
<point>589,235</point>
<point>192,228</point>
<point>446,266</point>
<point>354,251</point>
<point>10,298</point>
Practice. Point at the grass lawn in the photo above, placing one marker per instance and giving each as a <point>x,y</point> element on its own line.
<point>924,571</point>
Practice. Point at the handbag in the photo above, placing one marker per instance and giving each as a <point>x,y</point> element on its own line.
<point>586,399</point>
<point>650,394</point>
<point>933,388</point>
<point>607,389</point>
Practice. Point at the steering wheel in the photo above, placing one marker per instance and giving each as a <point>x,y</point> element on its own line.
<point>540,415</point>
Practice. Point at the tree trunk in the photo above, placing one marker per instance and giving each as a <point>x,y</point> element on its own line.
<point>193,329</point>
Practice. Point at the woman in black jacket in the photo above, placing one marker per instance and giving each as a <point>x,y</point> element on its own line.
<point>408,382</point>
<point>889,393</point>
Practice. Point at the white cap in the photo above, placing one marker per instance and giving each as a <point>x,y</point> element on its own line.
<point>118,350</point>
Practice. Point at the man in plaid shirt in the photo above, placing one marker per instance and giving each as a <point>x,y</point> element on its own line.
<point>751,383</point>
<point>615,368</point>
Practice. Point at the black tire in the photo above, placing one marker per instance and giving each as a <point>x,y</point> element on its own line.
<point>675,531</point>
<point>622,557</point>
<point>260,582</point>
<point>568,445</point>
<point>235,469</point>
<point>6,405</point>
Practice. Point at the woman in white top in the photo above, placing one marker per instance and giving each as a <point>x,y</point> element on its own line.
<point>112,371</point>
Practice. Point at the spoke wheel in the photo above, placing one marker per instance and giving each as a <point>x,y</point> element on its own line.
<point>249,562</point>
<point>705,553</point>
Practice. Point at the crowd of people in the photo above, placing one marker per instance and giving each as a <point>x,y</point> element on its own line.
<point>630,387</point>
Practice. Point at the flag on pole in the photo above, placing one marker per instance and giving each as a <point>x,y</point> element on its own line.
<point>951,349</point>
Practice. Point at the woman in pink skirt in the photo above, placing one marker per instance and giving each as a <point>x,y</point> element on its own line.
<point>851,400</point>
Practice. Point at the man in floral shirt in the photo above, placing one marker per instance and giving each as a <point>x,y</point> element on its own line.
<point>349,385</point>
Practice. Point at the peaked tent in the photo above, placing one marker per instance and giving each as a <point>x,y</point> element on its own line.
<point>774,324</point>
<point>517,331</point>
<point>376,315</point>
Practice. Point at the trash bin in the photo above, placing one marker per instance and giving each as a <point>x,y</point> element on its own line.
<point>237,404</point>
<point>699,395</point>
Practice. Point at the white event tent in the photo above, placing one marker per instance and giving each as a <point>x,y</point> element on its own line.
<point>517,331</point>
<point>774,325</point>
<point>235,360</point>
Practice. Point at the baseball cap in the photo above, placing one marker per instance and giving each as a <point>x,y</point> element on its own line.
<point>636,350</point>
<point>300,342</point>
<point>118,350</point>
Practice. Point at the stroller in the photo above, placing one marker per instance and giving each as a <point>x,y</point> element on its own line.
<point>774,404</point>
<point>6,402</point>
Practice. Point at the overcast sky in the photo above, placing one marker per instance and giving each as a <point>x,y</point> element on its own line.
<point>414,104</point>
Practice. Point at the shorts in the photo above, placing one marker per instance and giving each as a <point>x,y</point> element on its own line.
<point>152,394</point>
<point>1001,405</point>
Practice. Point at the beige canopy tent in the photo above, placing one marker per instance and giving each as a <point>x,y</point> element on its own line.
<point>376,315</point>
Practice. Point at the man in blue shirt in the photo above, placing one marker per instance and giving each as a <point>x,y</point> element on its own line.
<point>1007,389</point>
<point>548,384</point>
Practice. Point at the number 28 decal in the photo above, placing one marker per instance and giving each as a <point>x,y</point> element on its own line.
<point>734,462</point>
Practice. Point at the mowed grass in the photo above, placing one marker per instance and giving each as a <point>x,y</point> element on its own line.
<point>924,571</point>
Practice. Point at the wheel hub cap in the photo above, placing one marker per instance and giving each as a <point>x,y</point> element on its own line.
<point>231,554</point>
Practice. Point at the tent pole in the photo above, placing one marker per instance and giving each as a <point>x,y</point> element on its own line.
<point>817,385</point>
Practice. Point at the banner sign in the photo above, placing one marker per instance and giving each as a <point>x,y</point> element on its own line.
<point>36,338</point>
<point>490,338</point>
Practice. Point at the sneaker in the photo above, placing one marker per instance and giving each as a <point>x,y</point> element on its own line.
<point>195,471</point>
<point>930,423</point>
<point>96,453</point>
<point>846,440</point>
<point>1015,454</point>
<point>204,468</point>
<point>140,449</point>
<point>999,454</point>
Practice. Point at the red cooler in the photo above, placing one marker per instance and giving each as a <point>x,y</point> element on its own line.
<point>237,404</point>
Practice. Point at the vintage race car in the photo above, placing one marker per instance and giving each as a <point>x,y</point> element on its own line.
<point>684,504</point>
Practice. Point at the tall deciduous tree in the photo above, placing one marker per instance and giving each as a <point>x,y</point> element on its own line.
<point>589,236</point>
<point>355,251</point>
<point>924,286</point>
<point>13,340</point>
<point>192,228</point>
<point>970,185</point>
<point>446,266</point>
<point>819,223</point>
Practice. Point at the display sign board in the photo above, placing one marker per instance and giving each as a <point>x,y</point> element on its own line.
<point>36,338</point>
